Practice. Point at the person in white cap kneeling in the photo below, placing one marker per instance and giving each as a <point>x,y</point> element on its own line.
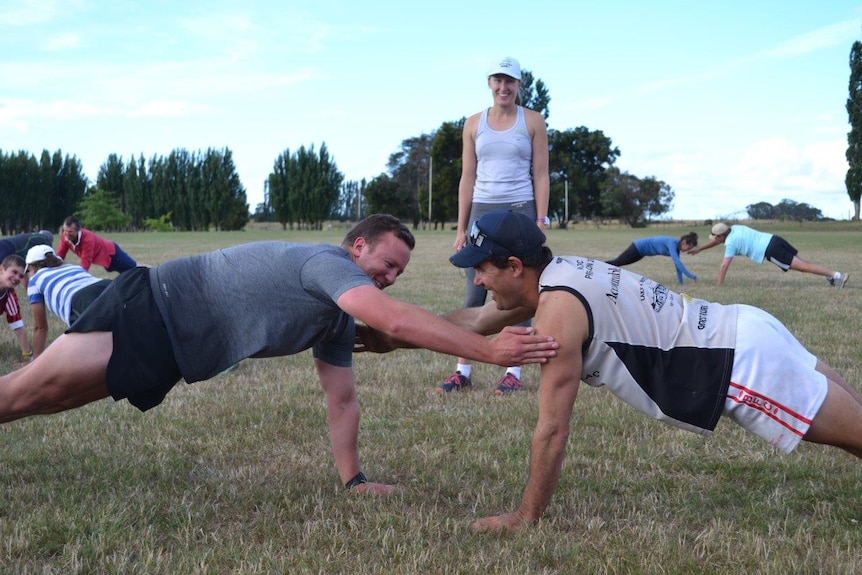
<point>65,289</point>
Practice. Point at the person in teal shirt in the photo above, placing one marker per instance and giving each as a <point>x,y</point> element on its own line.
<point>659,246</point>
<point>757,246</point>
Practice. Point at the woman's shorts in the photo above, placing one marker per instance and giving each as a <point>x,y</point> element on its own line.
<point>142,367</point>
<point>780,252</point>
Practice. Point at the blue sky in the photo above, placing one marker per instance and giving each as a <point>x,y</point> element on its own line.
<point>729,102</point>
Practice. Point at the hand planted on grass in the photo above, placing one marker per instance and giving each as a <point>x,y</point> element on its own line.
<point>374,488</point>
<point>499,523</point>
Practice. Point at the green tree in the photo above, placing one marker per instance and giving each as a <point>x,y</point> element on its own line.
<point>101,211</point>
<point>136,190</point>
<point>797,211</point>
<point>853,179</point>
<point>578,159</point>
<point>535,97</point>
<point>18,183</point>
<point>70,183</point>
<point>325,186</point>
<point>278,185</point>
<point>222,193</point>
<point>349,198</point>
<point>446,150</point>
<point>111,178</point>
<point>408,168</point>
<point>760,211</point>
<point>384,195</point>
<point>304,187</point>
<point>633,200</point>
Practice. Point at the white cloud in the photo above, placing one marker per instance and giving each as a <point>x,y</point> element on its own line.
<point>836,34</point>
<point>168,109</point>
<point>20,13</point>
<point>62,42</point>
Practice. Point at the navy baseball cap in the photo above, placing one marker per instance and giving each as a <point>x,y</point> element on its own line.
<point>501,233</point>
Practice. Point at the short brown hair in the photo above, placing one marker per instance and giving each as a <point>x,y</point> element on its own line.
<point>14,260</point>
<point>375,226</point>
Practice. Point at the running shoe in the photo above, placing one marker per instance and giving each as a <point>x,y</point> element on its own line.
<point>455,382</point>
<point>840,280</point>
<point>507,384</point>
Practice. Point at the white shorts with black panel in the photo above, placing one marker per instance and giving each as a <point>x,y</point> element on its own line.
<point>775,390</point>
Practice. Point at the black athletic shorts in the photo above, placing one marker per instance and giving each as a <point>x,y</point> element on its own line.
<point>142,367</point>
<point>84,297</point>
<point>780,252</point>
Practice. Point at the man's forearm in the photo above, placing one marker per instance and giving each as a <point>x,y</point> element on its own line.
<point>487,319</point>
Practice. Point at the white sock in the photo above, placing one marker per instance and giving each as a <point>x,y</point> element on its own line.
<point>514,370</point>
<point>464,368</point>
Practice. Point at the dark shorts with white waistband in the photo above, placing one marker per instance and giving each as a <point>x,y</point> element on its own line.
<point>780,252</point>
<point>142,367</point>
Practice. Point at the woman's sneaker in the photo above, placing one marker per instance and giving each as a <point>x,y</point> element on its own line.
<point>455,382</point>
<point>838,280</point>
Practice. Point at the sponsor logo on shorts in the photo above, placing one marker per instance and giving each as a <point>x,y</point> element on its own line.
<point>759,403</point>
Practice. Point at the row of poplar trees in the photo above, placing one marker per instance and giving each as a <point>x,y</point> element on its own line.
<point>853,180</point>
<point>193,190</point>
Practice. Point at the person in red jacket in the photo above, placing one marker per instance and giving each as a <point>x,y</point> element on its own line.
<point>92,249</point>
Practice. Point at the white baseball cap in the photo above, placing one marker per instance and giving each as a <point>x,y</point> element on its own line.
<point>38,253</point>
<point>718,229</point>
<point>508,66</point>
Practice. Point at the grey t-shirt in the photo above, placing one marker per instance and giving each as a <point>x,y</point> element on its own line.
<point>261,299</point>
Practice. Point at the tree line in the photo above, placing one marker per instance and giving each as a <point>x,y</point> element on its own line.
<point>193,190</point>
<point>201,190</point>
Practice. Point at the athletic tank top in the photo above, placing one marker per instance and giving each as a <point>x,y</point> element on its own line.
<point>504,159</point>
<point>667,355</point>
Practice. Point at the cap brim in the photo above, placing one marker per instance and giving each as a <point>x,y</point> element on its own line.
<point>469,257</point>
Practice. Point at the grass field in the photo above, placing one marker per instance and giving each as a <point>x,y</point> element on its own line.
<point>235,475</point>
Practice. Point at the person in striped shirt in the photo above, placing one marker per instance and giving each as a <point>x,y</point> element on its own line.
<point>64,289</point>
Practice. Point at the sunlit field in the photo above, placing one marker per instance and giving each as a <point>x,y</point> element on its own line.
<point>235,475</point>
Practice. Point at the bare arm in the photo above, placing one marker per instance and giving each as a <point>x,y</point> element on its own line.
<point>722,270</point>
<point>563,315</point>
<point>40,328</point>
<point>706,246</point>
<point>487,319</point>
<point>415,326</point>
<point>342,408</point>
<point>467,181</point>
<point>541,179</point>
<point>23,342</point>
<point>484,320</point>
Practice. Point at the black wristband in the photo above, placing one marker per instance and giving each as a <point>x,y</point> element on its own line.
<point>357,479</point>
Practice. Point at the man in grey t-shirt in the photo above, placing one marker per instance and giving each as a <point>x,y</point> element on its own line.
<point>193,317</point>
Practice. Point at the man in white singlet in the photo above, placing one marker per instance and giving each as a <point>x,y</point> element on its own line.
<point>684,361</point>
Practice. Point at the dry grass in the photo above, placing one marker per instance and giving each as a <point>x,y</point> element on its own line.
<point>235,475</point>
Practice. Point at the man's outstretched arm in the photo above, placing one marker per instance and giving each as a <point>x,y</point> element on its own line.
<point>414,326</point>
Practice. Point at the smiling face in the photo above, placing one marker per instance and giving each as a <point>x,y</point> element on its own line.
<point>11,277</point>
<point>504,89</point>
<point>384,260</point>
<point>498,282</point>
